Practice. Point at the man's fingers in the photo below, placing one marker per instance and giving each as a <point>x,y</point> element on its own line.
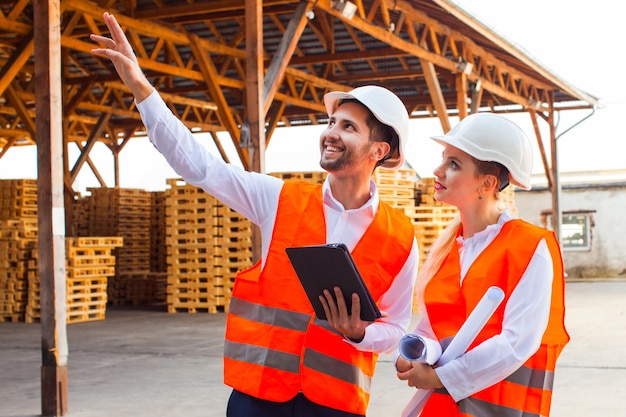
<point>325,307</point>
<point>331,303</point>
<point>356,306</point>
<point>341,302</point>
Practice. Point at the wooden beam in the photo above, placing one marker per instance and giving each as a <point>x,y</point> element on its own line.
<point>288,43</point>
<point>542,148</point>
<point>253,136</point>
<point>51,209</point>
<point>434,89</point>
<point>95,135</point>
<point>461,94</point>
<point>215,6</point>
<point>210,75</point>
<point>477,97</point>
<point>15,63</point>
<point>21,110</point>
<point>8,145</point>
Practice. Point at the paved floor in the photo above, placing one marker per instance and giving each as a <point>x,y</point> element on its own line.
<point>148,363</point>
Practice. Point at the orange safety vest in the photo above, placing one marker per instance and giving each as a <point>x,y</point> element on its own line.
<point>528,391</point>
<point>275,347</point>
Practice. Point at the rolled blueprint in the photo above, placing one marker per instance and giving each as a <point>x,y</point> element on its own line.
<point>460,343</point>
<point>416,348</point>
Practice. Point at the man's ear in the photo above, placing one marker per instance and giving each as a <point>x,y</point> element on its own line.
<point>380,150</point>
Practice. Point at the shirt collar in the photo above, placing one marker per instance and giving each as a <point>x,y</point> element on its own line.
<point>490,230</point>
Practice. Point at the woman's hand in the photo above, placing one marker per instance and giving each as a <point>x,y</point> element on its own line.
<point>121,54</point>
<point>403,365</point>
<point>422,376</point>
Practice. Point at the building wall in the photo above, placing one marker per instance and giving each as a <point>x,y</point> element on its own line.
<point>607,255</point>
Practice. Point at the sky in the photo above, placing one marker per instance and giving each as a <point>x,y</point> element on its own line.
<point>576,43</point>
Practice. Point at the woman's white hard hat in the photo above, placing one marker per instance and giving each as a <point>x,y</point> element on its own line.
<point>491,137</point>
<point>386,107</point>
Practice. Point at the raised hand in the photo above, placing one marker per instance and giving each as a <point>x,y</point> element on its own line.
<point>121,54</point>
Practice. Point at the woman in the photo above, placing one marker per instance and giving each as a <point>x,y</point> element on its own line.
<point>508,369</point>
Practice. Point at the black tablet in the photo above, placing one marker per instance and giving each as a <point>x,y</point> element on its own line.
<point>322,267</point>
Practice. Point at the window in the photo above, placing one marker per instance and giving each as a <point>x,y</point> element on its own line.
<point>575,229</point>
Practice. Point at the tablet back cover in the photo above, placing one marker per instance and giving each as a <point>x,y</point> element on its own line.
<point>322,267</point>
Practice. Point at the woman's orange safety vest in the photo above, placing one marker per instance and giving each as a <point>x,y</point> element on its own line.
<point>528,391</point>
<point>275,347</point>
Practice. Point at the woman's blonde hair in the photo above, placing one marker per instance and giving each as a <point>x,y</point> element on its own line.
<point>440,248</point>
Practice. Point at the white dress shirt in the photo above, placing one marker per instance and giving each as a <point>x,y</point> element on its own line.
<point>255,196</point>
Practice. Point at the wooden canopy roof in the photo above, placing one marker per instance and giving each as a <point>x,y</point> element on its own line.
<point>438,58</point>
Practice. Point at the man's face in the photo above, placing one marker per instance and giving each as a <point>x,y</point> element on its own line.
<point>345,142</point>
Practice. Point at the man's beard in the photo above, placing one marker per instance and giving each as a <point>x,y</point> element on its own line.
<point>348,158</point>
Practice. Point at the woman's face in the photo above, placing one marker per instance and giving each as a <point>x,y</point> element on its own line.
<point>456,179</point>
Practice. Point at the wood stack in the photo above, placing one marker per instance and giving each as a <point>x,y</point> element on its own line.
<point>428,222</point>
<point>312,177</point>
<point>18,237</point>
<point>126,213</point>
<point>507,196</point>
<point>233,251</point>
<point>17,240</point>
<point>89,263</point>
<point>207,243</point>
<point>158,254</point>
<point>396,187</point>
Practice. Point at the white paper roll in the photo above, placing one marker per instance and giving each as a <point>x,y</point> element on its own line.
<point>416,348</point>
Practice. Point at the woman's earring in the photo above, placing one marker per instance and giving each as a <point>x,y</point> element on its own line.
<point>480,195</point>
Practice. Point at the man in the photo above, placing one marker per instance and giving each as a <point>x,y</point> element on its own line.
<point>279,359</point>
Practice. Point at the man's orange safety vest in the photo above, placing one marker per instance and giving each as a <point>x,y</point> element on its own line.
<point>528,391</point>
<point>275,347</point>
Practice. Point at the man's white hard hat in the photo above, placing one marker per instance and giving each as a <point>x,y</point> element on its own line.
<point>491,137</point>
<point>386,107</point>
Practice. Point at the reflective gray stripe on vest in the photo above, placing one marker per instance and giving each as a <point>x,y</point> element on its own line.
<point>324,325</point>
<point>337,369</point>
<point>269,315</point>
<point>479,408</point>
<point>258,355</point>
<point>533,378</point>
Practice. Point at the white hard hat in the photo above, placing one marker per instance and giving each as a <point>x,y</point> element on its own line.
<point>490,137</point>
<point>386,107</point>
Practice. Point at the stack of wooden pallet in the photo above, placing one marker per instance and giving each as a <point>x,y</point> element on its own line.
<point>17,240</point>
<point>89,263</point>
<point>125,213</point>
<point>18,237</point>
<point>158,254</point>
<point>206,244</point>
<point>308,176</point>
<point>396,187</point>
<point>428,222</point>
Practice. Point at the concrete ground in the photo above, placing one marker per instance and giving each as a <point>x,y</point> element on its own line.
<point>145,362</point>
